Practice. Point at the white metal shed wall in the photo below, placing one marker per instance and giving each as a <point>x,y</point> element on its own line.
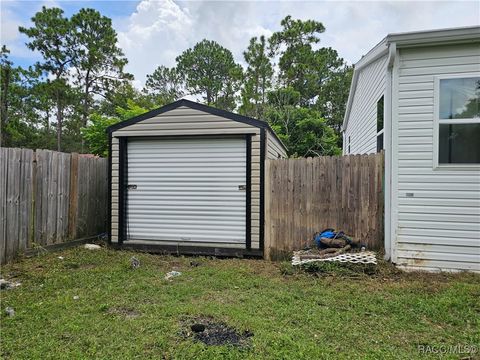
<point>187,191</point>
<point>187,121</point>
<point>439,227</point>
<point>275,150</point>
<point>362,122</point>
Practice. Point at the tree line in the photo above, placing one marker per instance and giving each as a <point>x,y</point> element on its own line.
<point>79,87</point>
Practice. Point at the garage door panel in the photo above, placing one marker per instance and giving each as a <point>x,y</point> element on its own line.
<point>187,190</point>
<point>167,237</point>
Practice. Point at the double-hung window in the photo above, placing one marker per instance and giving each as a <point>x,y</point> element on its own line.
<point>457,121</point>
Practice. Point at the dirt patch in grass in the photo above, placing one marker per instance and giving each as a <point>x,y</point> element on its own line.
<point>125,312</point>
<point>212,332</point>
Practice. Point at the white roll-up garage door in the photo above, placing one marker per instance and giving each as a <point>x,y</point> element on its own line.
<point>188,191</point>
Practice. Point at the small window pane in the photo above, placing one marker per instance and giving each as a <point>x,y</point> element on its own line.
<point>380,115</point>
<point>460,98</point>
<point>459,144</point>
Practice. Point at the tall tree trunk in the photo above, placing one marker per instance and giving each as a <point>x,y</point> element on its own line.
<point>85,104</point>
<point>59,123</point>
<point>209,97</point>
<point>4,104</point>
<point>84,118</point>
<point>47,120</point>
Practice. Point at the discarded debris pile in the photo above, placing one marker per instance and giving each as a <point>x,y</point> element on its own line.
<point>5,284</point>
<point>334,246</point>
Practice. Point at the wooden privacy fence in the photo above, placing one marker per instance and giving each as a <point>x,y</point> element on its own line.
<point>304,196</point>
<point>48,197</point>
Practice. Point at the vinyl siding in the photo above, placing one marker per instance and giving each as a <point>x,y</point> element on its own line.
<point>438,227</point>
<point>275,149</point>
<point>362,122</point>
<point>187,121</point>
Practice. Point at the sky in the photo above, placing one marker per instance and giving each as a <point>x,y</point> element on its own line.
<point>155,32</point>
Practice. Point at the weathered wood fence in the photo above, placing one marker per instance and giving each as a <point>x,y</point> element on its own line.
<point>48,197</point>
<point>304,196</point>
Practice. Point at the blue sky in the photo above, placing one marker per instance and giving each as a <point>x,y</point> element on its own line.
<point>20,13</point>
<point>154,32</point>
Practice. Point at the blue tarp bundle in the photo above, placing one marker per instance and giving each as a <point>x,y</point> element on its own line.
<point>330,234</point>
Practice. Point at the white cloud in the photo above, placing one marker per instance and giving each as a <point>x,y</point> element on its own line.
<point>154,35</point>
<point>10,22</point>
<point>160,30</point>
<point>9,33</point>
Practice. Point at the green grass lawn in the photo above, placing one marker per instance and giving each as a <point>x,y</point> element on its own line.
<point>292,314</point>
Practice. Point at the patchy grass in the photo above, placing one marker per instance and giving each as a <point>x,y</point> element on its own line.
<point>332,312</point>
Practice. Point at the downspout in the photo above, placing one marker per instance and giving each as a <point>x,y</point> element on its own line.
<point>388,115</point>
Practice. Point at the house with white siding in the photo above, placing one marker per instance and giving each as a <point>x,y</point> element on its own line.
<point>417,97</point>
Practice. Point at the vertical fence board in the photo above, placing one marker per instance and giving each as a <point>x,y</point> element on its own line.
<point>3,202</point>
<point>52,197</point>
<point>24,198</point>
<point>37,226</point>
<point>12,208</point>
<point>73,197</point>
<point>44,200</point>
<point>309,195</point>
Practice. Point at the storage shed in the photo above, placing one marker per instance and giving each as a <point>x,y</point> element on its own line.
<point>417,96</point>
<point>189,178</point>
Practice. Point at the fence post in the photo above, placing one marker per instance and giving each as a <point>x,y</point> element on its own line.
<point>267,221</point>
<point>3,202</point>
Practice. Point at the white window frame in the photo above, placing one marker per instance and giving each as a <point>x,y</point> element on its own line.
<point>436,123</point>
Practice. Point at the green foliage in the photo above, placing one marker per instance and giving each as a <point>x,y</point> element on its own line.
<point>332,99</point>
<point>95,133</point>
<point>303,130</point>
<point>471,108</point>
<point>130,111</point>
<point>81,77</point>
<point>165,84</point>
<point>51,36</point>
<point>211,72</point>
<point>125,94</point>
<point>300,65</point>
<point>97,59</point>
<point>80,60</point>
<point>286,268</point>
<point>24,104</point>
<point>5,80</point>
<point>258,78</point>
<point>313,137</point>
<point>341,269</point>
<point>319,75</point>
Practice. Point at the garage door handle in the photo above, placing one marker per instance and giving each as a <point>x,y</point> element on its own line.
<point>242,187</point>
<point>131,187</point>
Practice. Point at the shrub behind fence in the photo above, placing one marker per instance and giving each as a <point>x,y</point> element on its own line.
<point>48,197</point>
